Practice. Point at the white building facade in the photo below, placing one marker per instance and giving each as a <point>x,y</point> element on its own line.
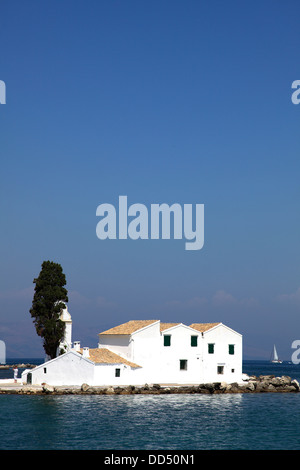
<point>147,351</point>
<point>177,353</point>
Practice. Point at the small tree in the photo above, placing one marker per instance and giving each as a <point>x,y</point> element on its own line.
<point>49,295</point>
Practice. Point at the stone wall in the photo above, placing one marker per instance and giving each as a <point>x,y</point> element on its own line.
<point>261,384</point>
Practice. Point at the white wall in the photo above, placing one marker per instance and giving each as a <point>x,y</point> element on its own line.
<point>119,344</point>
<point>221,336</point>
<point>105,375</point>
<point>180,350</point>
<point>140,347</point>
<point>162,363</point>
<point>145,345</point>
<point>68,369</point>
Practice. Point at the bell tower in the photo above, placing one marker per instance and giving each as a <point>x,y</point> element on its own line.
<point>66,342</point>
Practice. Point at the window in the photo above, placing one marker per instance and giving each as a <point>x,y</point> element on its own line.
<point>232,370</point>
<point>183,364</point>
<point>211,348</point>
<point>231,348</point>
<point>45,370</point>
<point>220,369</point>
<point>117,372</point>
<point>167,340</point>
<point>194,341</point>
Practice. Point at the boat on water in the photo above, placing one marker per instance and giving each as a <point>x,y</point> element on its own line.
<point>275,359</point>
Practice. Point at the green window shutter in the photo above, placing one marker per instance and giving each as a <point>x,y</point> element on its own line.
<point>231,349</point>
<point>194,341</point>
<point>167,340</point>
<point>211,348</point>
<point>117,372</point>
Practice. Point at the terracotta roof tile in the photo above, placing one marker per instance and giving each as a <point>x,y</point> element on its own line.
<point>105,356</point>
<point>128,328</point>
<point>203,326</point>
<point>165,326</point>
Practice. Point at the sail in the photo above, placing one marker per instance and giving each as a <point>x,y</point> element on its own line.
<point>275,355</point>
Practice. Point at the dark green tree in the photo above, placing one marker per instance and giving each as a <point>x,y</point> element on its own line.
<point>49,295</point>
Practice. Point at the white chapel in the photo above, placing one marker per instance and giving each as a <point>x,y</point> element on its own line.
<point>145,351</point>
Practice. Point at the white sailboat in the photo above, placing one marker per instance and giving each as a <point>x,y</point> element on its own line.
<point>275,358</point>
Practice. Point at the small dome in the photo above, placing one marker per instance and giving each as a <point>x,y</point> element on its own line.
<point>65,315</point>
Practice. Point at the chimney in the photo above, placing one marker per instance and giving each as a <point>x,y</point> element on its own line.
<point>86,352</point>
<point>77,345</point>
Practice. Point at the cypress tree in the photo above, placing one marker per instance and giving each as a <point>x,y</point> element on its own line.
<point>49,295</point>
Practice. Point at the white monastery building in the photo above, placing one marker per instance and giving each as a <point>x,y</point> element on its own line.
<point>145,351</point>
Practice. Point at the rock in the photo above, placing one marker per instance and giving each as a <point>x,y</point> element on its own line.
<point>235,388</point>
<point>156,386</point>
<point>295,384</point>
<point>276,381</point>
<point>266,378</point>
<point>184,389</point>
<point>84,387</point>
<point>128,390</point>
<point>250,386</point>
<point>202,389</point>
<point>47,388</point>
<point>28,390</point>
<point>110,391</point>
<point>285,380</point>
<point>261,386</point>
<point>289,388</point>
<point>217,385</point>
<point>245,377</point>
<point>210,387</point>
<point>223,386</point>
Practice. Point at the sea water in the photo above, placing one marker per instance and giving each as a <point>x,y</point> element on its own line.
<point>265,421</point>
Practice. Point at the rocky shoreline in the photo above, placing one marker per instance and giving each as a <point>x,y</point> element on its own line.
<point>261,384</point>
<point>18,366</point>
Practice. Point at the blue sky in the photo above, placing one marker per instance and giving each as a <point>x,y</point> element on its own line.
<point>162,101</point>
